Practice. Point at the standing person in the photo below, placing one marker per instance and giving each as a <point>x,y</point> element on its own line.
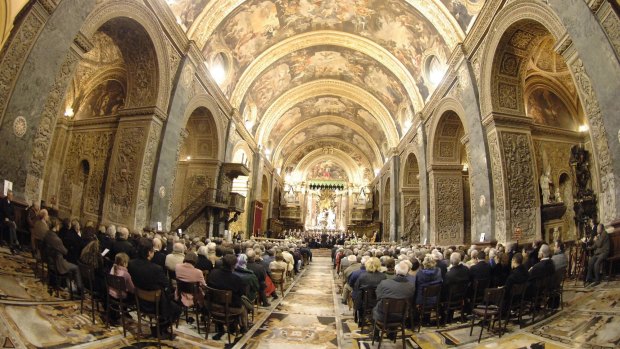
<point>7,218</point>
<point>601,251</point>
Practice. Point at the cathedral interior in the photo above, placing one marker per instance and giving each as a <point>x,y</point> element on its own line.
<point>418,122</point>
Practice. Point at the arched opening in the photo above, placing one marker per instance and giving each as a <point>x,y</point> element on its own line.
<point>411,200</point>
<point>117,73</point>
<point>197,165</point>
<point>534,83</point>
<point>449,178</point>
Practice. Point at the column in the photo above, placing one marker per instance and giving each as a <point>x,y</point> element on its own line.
<point>394,195</point>
<point>128,186</point>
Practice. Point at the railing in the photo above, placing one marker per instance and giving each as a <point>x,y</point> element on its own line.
<point>211,197</point>
<point>236,202</point>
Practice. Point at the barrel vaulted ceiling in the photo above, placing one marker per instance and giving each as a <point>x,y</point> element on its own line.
<point>342,74</point>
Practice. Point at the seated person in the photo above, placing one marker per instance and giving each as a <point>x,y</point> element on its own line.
<point>176,257</point>
<point>150,277</point>
<point>369,279</point>
<point>398,287</point>
<point>121,260</point>
<point>224,279</point>
<point>429,275</point>
<point>188,273</point>
<point>250,281</point>
<point>518,275</point>
<point>56,253</point>
<point>601,251</point>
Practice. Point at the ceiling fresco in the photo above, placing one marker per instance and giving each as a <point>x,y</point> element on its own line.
<point>464,11</point>
<point>256,25</point>
<point>327,105</point>
<point>328,129</point>
<point>327,62</point>
<point>327,170</point>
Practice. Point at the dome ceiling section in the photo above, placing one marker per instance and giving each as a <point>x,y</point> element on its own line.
<point>328,106</point>
<point>327,126</point>
<point>336,88</point>
<point>256,25</point>
<point>326,62</point>
<point>330,146</point>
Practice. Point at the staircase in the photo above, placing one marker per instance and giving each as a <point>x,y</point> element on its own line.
<point>210,198</point>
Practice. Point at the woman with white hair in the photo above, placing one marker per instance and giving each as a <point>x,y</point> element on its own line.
<point>368,280</point>
<point>429,275</point>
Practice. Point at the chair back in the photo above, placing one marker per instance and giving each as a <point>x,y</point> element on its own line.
<point>493,297</point>
<point>116,283</point>
<point>277,276</point>
<point>518,290</point>
<point>184,287</point>
<point>479,286</point>
<point>431,294</point>
<point>394,311</point>
<point>558,279</point>
<point>369,297</point>
<point>148,296</point>
<point>457,292</point>
<point>218,304</point>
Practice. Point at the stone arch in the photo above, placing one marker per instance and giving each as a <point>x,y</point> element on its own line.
<point>143,16</point>
<point>492,88</point>
<point>207,102</point>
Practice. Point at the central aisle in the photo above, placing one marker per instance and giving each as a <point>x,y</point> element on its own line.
<point>306,317</point>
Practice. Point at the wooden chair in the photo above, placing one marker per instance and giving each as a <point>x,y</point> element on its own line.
<point>556,288</point>
<point>491,309</point>
<point>369,299</point>
<point>193,289</point>
<point>55,279</point>
<point>394,317</point>
<point>151,297</point>
<point>428,293</point>
<point>88,281</point>
<point>40,258</point>
<point>219,310</point>
<point>455,300</point>
<point>478,285</point>
<point>305,259</point>
<point>536,296</point>
<point>120,305</point>
<point>278,279</point>
<point>515,300</point>
<point>614,254</point>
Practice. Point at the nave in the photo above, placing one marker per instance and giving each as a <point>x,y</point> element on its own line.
<point>310,315</point>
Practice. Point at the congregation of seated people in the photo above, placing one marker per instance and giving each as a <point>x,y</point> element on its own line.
<point>404,272</point>
<point>153,261</point>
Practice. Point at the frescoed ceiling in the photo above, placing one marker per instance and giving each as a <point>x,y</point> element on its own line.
<point>358,70</point>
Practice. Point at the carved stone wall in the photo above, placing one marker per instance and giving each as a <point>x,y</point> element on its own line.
<point>521,192</point>
<point>95,147</point>
<point>148,163</point>
<point>447,216</point>
<point>498,187</point>
<point>411,218</point>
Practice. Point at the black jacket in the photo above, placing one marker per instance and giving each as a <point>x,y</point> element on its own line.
<point>150,276</point>
<point>225,280</point>
<point>456,275</point>
<point>518,275</point>
<point>122,246</point>
<point>481,270</point>
<point>544,268</point>
<point>7,209</point>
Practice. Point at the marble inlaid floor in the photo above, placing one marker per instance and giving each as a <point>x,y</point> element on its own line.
<point>309,316</point>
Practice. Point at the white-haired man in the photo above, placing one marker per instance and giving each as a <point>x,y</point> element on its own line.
<point>397,288</point>
<point>176,257</point>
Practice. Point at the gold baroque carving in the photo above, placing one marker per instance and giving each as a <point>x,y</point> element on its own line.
<point>144,189</point>
<point>599,138</point>
<point>449,209</point>
<point>411,232</point>
<point>520,183</point>
<point>507,95</point>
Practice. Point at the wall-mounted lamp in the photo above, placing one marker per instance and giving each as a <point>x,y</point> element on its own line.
<point>69,112</point>
<point>583,128</point>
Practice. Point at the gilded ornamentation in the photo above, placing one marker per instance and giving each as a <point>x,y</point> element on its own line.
<point>411,232</point>
<point>520,182</point>
<point>123,174</point>
<point>449,209</point>
<point>148,164</point>
<point>20,126</point>
<point>507,95</point>
<point>599,139</point>
<point>521,39</point>
<point>509,65</point>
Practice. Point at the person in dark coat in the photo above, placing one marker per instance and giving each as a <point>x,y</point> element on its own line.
<point>457,274</point>
<point>518,275</point>
<point>7,219</point>
<point>159,257</point>
<point>122,244</point>
<point>224,279</point>
<point>601,248</point>
<point>545,267</point>
<point>397,288</point>
<point>150,276</point>
<point>260,273</point>
<point>429,275</point>
<point>73,242</point>
<point>370,279</point>
<point>480,269</point>
<point>533,255</point>
<point>56,252</point>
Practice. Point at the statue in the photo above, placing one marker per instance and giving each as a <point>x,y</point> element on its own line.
<point>558,197</point>
<point>545,186</point>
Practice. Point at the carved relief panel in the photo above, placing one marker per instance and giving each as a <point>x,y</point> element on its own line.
<point>411,218</point>
<point>447,215</point>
